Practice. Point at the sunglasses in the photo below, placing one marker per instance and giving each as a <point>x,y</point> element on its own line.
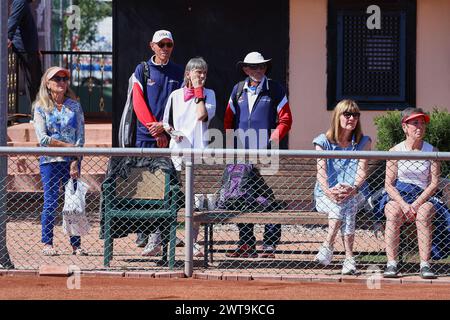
<point>59,79</point>
<point>165,44</point>
<point>255,66</point>
<point>355,115</point>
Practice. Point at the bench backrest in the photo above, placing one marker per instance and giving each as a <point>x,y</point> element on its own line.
<point>293,182</point>
<point>142,184</point>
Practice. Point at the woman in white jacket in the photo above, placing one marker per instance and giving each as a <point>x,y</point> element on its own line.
<point>187,115</point>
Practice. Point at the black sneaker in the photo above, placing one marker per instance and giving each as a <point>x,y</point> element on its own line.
<point>426,273</point>
<point>390,272</point>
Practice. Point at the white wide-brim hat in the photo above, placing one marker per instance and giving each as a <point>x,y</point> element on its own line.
<point>253,58</point>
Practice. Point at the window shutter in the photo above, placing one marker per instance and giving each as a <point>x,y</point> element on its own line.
<point>370,66</point>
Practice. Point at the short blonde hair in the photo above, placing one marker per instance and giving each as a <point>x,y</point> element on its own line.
<point>333,132</point>
<point>44,98</point>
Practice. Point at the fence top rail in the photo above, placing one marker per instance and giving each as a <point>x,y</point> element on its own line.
<point>208,153</point>
<point>79,52</point>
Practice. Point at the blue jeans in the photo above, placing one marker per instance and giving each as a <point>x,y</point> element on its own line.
<point>272,234</point>
<point>53,176</point>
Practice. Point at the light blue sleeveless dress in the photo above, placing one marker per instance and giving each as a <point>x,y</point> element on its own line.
<point>341,171</point>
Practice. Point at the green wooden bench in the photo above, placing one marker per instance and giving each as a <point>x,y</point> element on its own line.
<point>143,196</point>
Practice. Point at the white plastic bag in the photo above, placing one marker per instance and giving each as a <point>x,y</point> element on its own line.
<point>75,222</point>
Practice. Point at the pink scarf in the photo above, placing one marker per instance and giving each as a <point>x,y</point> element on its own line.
<point>188,93</point>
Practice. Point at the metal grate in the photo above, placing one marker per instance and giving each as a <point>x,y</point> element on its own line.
<point>13,74</point>
<point>372,59</point>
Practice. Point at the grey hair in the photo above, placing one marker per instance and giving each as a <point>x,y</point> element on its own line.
<point>195,63</point>
<point>409,111</point>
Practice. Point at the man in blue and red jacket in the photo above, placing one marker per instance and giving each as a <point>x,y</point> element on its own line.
<point>258,112</point>
<point>149,101</point>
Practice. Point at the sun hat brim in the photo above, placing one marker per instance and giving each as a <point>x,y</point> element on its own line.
<point>55,70</point>
<point>416,115</point>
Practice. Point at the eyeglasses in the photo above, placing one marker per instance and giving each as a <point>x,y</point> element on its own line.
<point>59,79</point>
<point>165,44</point>
<point>255,66</point>
<point>355,115</point>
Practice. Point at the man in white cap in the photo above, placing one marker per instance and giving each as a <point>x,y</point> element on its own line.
<point>259,110</point>
<point>149,101</point>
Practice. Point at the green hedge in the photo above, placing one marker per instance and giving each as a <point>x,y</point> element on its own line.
<point>389,132</point>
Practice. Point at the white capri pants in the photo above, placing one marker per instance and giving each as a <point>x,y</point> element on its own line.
<point>344,212</point>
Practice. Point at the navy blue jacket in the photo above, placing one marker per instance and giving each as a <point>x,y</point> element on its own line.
<point>149,107</point>
<point>22,30</point>
<point>269,114</point>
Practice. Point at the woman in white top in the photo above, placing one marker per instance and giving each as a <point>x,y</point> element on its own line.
<point>187,115</point>
<point>410,184</point>
<point>189,110</point>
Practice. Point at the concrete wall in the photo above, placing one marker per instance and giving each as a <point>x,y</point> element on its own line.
<point>307,66</point>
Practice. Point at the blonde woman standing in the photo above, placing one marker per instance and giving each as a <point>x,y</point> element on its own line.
<point>59,122</point>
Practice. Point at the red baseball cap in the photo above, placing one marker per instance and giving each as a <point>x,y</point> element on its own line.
<point>416,115</point>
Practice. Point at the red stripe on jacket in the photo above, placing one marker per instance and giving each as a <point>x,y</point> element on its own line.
<point>284,123</point>
<point>141,109</point>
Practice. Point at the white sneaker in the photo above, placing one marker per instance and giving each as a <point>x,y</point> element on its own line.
<point>198,252</point>
<point>152,250</point>
<point>349,266</point>
<point>325,255</point>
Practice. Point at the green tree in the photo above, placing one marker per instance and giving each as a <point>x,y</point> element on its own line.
<point>90,13</point>
<point>390,133</point>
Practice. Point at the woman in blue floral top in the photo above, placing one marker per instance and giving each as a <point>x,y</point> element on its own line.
<point>59,122</point>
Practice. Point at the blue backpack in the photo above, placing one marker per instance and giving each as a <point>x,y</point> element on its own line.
<point>244,189</point>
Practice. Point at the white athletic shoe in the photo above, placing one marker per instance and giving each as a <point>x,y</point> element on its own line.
<point>349,266</point>
<point>198,252</point>
<point>152,250</point>
<point>325,255</point>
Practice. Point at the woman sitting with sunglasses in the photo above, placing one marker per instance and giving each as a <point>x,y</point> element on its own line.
<point>341,186</point>
<point>410,186</point>
<point>59,122</point>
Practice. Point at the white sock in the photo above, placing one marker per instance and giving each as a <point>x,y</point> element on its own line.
<point>424,264</point>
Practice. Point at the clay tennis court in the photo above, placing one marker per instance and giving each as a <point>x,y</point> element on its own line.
<point>118,288</point>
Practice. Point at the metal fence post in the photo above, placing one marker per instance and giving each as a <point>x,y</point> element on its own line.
<point>189,206</point>
<point>5,261</point>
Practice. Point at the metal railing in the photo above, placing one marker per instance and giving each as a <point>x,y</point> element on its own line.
<point>13,79</point>
<point>91,78</point>
<point>138,191</point>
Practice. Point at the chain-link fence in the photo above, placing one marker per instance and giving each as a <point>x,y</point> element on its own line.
<point>229,210</point>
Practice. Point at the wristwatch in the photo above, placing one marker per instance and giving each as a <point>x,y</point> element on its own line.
<point>198,100</point>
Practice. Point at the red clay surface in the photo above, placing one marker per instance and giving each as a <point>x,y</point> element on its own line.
<point>99,288</point>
